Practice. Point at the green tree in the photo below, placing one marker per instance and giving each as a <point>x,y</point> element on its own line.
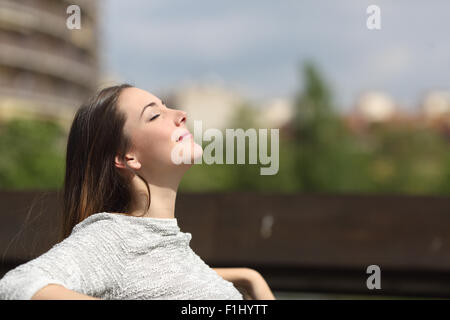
<point>409,160</point>
<point>31,154</point>
<point>328,158</point>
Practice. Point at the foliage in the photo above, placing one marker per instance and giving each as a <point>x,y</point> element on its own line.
<point>324,156</point>
<point>31,154</point>
<point>317,154</point>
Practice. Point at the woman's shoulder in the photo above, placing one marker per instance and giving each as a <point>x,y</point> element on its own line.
<point>94,222</point>
<point>104,227</point>
<point>100,231</point>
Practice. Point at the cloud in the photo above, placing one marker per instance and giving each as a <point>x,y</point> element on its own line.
<point>390,62</point>
<point>258,45</point>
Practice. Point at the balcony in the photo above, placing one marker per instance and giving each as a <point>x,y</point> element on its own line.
<point>25,18</point>
<point>48,64</point>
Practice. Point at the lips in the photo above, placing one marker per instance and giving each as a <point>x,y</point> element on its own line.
<point>183,135</point>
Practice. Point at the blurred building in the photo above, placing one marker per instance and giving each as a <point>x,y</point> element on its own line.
<point>371,107</point>
<point>436,105</point>
<point>213,104</point>
<point>375,107</point>
<point>217,106</point>
<point>46,70</point>
<point>276,113</point>
<point>435,109</point>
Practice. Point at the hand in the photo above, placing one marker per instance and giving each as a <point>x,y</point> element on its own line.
<point>249,282</point>
<point>256,288</point>
<point>58,292</point>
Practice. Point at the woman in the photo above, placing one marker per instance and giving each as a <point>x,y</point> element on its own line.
<point>120,236</point>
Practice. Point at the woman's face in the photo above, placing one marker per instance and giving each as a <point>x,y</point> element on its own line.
<point>154,131</point>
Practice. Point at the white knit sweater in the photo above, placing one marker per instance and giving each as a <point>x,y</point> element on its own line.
<point>114,256</point>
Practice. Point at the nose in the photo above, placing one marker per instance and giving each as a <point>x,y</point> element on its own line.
<point>181,118</point>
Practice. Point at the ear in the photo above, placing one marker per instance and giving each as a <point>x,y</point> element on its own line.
<point>129,162</point>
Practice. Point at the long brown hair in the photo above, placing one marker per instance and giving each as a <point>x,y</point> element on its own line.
<point>92,183</point>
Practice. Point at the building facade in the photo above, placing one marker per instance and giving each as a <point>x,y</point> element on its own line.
<point>46,69</point>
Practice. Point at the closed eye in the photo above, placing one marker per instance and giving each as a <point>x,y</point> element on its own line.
<point>154,117</point>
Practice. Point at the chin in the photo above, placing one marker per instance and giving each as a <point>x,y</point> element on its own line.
<point>187,154</point>
<point>197,152</point>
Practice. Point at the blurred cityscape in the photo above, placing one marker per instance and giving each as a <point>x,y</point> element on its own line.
<point>378,146</point>
<point>327,225</point>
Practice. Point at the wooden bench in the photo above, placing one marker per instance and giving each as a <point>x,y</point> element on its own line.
<point>304,243</point>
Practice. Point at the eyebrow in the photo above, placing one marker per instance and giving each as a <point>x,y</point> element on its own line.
<point>151,104</point>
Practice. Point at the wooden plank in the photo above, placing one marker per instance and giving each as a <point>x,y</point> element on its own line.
<point>300,242</point>
<point>325,231</point>
<point>29,224</point>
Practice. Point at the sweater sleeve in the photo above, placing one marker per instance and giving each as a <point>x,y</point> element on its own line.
<point>89,261</point>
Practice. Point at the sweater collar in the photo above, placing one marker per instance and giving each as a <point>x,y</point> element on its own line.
<point>162,226</point>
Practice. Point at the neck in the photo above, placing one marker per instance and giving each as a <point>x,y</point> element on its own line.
<point>162,199</point>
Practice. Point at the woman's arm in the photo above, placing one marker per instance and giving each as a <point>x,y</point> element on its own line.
<point>250,280</point>
<point>58,292</point>
<point>76,263</point>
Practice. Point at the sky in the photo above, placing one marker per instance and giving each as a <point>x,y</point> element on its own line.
<point>257,47</point>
